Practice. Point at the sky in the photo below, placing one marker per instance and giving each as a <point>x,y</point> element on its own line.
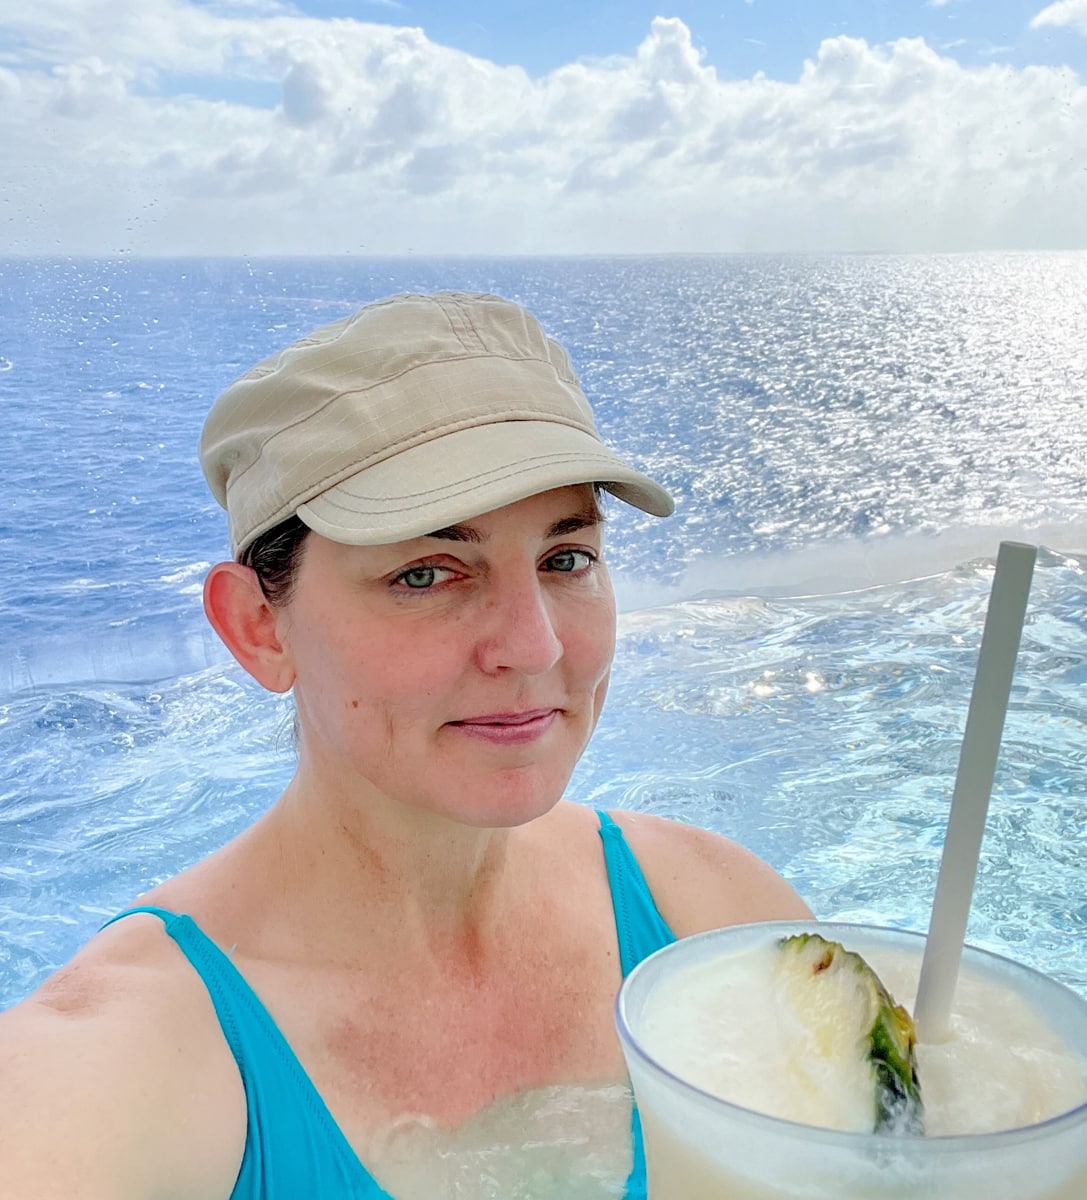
<point>369,127</point>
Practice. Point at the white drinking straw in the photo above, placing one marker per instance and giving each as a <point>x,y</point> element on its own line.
<point>973,784</point>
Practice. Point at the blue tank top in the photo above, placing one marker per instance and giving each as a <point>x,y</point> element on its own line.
<point>293,1146</point>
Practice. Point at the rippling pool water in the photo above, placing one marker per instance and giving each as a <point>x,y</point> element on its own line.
<point>823,732</point>
<point>848,438</point>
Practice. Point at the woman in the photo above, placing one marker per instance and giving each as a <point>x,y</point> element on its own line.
<point>433,933</point>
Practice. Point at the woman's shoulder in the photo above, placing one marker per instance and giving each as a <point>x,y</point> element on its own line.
<point>109,1076</point>
<point>701,880</point>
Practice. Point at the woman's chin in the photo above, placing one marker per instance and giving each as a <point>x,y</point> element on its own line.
<point>505,807</point>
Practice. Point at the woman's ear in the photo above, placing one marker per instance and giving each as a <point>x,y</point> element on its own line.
<point>248,624</point>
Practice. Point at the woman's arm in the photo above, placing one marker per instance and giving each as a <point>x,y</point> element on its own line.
<point>106,1095</point>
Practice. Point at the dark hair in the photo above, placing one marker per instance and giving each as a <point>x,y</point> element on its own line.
<point>275,556</point>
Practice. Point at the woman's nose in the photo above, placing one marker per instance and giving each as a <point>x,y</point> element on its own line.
<point>518,631</point>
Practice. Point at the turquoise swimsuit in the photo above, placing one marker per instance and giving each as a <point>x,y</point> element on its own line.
<point>293,1147</point>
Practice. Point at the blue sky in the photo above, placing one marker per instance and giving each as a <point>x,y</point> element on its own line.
<point>397,126</point>
<point>739,38</point>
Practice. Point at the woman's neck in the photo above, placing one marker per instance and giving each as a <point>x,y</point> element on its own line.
<point>363,874</point>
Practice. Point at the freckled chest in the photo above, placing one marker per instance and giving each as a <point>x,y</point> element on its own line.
<point>380,1047</point>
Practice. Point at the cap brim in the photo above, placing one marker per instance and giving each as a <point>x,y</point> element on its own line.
<point>472,471</point>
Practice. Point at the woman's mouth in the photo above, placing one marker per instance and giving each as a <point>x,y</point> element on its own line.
<point>509,729</point>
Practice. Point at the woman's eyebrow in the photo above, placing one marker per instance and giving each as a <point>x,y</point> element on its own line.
<point>579,521</point>
<point>568,525</point>
<point>457,533</point>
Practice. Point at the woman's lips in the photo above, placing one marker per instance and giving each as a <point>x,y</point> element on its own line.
<point>509,729</point>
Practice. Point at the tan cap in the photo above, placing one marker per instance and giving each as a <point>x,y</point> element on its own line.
<point>413,414</point>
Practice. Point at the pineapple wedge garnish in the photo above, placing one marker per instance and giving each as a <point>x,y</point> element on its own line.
<point>858,1035</point>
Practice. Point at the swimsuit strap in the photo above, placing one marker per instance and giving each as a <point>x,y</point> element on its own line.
<point>638,922</point>
<point>641,931</point>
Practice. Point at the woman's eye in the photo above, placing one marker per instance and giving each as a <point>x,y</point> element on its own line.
<point>420,578</point>
<point>569,561</point>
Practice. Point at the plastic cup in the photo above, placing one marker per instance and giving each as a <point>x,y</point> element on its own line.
<point>700,1147</point>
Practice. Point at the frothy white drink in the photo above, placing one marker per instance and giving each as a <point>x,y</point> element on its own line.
<point>713,1046</point>
<point>726,1027</point>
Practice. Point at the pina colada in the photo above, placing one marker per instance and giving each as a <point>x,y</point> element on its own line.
<point>767,1065</point>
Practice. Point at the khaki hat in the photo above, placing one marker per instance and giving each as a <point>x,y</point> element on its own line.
<point>413,414</point>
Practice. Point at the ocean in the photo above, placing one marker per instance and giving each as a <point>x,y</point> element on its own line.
<point>848,437</point>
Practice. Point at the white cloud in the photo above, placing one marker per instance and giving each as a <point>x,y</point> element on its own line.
<point>251,129</point>
<point>1066,12</point>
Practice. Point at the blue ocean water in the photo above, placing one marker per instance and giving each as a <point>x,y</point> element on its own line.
<point>848,438</point>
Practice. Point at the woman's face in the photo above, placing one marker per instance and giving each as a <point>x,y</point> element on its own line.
<point>461,672</point>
